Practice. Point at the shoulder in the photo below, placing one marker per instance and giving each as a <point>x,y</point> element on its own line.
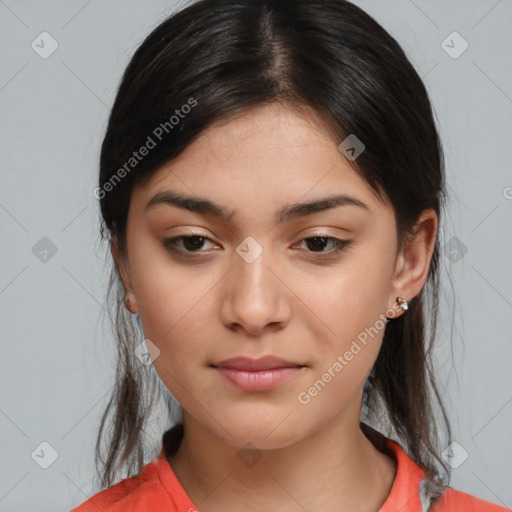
<point>453,500</point>
<point>412,491</point>
<point>138,493</point>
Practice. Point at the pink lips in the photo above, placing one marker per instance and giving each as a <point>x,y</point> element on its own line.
<point>257,374</point>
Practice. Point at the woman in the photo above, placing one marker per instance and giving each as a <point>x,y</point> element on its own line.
<point>271,184</point>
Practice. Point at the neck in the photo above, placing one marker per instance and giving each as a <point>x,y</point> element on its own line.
<point>336,468</point>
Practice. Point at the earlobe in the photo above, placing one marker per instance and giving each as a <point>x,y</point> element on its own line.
<point>130,303</point>
<point>130,300</point>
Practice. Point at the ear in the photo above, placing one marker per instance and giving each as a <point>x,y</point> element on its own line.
<point>123,271</point>
<point>413,262</point>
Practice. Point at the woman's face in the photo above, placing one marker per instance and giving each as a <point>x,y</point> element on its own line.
<point>259,283</point>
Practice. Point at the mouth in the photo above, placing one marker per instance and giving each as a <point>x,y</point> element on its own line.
<point>250,364</point>
<point>260,374</point>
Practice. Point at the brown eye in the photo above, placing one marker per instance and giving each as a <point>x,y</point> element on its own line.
<point>318,243</point>
<point>191,244</point>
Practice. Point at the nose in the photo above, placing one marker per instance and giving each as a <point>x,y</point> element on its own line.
<point>256,298</point>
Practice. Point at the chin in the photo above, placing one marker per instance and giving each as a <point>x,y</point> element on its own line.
<point>269,434</point>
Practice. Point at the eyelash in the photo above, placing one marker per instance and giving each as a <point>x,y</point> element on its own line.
<point>170,244</point>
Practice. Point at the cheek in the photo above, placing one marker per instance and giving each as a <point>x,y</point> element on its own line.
<point>346,301</point>
<point>348,324</point>
<point>345,356</point>
<point>176,308</point>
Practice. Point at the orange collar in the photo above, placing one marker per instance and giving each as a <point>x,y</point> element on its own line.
<point>408,492</point>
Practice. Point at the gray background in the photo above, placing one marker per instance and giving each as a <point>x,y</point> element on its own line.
<point>57,355</point>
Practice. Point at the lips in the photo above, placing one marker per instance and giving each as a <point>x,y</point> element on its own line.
<point>250,364</point>
<point>263,374</point>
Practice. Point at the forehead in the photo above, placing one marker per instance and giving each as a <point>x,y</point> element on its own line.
<point>271,155</point>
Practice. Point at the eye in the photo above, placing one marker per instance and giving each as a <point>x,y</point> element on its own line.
<point>192,243</point>
<point>319,241</point>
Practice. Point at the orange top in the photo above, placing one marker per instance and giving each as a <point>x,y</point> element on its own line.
<point>157,488</point>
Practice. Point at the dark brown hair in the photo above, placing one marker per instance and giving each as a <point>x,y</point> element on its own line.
<point>222,57</point>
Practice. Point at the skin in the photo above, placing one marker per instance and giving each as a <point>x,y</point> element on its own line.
<point>291,302</point>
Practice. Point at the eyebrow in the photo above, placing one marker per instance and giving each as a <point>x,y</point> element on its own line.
<point>289,212</point>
